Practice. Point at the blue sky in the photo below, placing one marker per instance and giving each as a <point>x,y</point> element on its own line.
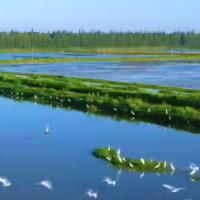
<point>134,15</point>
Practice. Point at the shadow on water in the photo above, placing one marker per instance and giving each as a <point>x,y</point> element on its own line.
<point>64,157</point>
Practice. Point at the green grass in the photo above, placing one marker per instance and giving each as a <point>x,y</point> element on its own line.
<point>94,59</point>
<point>109,98</point>
<point>149,166</point>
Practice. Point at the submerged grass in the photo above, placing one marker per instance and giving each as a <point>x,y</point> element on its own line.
<point>178,107</point>
<point>130,163</point>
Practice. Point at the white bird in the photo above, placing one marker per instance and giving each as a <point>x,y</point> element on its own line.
<point>35,96</point>
<point>130,165</point>
<point>172,188</point>
<point>142,175</point>
<point>172,167</point>
<point>193,167</point>
<point>87,105</point>
<point>120,159</point>
<point>50,97</point>
<point>142,161</point>
<point>124,159</point>
<point>132,112</point>
<point>61,100</point>
<point>170,117</point>
<point>115,109</point>
<point>5,181</point>
<point>118,152</point>
<point>166,111</point>
<point>69,100</point>
<point>149,110</point>
<point>193,172</point>
<point>109,147</point>
<point>109,159</point>
<point>157,166</point>
<point>165,164</point>
<point>91,193</point>
<point>151,159</point>
<point>47,129</point>
<point>46,184</point>
<point>22,94</point>
<point>109,181</point>
<point>57,98</point>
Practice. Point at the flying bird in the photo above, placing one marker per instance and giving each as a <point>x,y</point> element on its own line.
<point>5,181</point>
<point>172,188</point>
<point>91,193</point>
<point>109,181</point>
<point>46,184</point>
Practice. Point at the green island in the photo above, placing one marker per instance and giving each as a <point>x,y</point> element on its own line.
<point>187,57</point>
<point>168,106</point>
<point>128,163</point>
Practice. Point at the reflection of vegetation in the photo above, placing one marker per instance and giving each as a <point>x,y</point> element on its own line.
<point>90,59</point>
<point>178,107</point>
<point>129,163</point>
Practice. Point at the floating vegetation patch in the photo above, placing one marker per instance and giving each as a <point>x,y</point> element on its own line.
<point>141,165</point>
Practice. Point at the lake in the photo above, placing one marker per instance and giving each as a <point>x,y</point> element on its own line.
<point>162,73</point>
<point>28,156</point>
<point>64,55</point>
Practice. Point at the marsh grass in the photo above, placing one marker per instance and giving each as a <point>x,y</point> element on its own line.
<point>106,98</point>
<point>149,166</point>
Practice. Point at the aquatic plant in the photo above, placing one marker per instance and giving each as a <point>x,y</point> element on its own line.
<point>125,101</point>
<point>110,155</point>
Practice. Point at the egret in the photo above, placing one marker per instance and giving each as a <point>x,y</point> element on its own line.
<point>142,161</point>
<point>91,193</point>
<point>120,159</point>
<point>69,100</point>
<point>109,181</point>
<point>109,147</point>
<point>166,111</point>
<point>47,130</point>
<point>141,176</point>
<point>118,152</point>
<point>115,109</point>
<point>165,164</point>
<point>132,112</point>
<point>124,159</point>
<point>172,167</point>
<point>87,105</point>
<point>151,159</point>
<point>130,165</point>
<point>172,188</point>
<point>193,172</point>
<point>35,96</point>
<point>193,167</point>
<point>170,118</point>
<point>57,98</point>
<point>61,100</point>
<point>109,159</point>
<point>5,181</point>
<point>149,110</point>
<point>157,166</point>
<point>50,97</point>
<point>22,94</point>
<point>46,184</point>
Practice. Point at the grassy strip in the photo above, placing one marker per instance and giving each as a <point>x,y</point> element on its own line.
<point>182,109</point>
<point>96,59</point>
<point>149,166</point>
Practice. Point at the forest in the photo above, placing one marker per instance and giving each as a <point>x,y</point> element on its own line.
<point>97,39</point>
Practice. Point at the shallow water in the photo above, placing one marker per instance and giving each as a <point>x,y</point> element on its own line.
<point>163,73</point>
<point>63,55</point>
<point>28,156</point>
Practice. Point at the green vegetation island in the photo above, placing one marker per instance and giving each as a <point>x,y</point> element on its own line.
<point>185,58</point>
<point>164,105</point>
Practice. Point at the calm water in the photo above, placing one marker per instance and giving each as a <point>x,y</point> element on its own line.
<point>63,55</point>
<point>28,156</point>
<point>163,73</point>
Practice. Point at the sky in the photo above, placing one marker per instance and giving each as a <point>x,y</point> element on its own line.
<point>105,15</point>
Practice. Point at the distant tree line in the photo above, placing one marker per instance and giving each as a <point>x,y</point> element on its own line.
<point>93,39</point>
